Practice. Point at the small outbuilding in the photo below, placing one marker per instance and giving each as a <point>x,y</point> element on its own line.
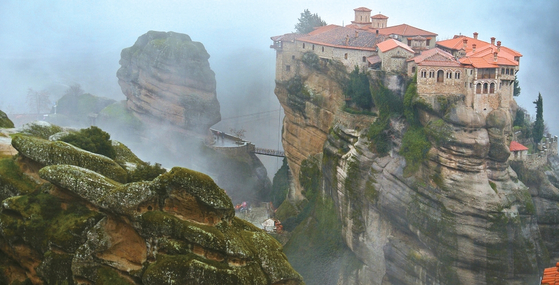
<point>518,151</point>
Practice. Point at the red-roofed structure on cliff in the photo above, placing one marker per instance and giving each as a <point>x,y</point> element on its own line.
<point>483,72</point>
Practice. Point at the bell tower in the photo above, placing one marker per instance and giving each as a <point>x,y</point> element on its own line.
<point>362,17</point>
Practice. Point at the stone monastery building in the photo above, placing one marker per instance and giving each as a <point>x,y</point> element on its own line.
<point>484,72</point>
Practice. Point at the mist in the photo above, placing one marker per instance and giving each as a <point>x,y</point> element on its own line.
<point>52,45</point>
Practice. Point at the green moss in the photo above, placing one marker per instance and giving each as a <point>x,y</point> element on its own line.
<point>13,180</point>
<point>109,276</point>
<point>55,153</point>
<point>40,221</point>
<point>286,210</point>
<point>56,268</point>
<point>5,122</point>
<point>280,185</point>
<point>493,186</point>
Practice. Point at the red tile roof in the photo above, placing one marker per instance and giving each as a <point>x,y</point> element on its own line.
<point>436,57</point>
<point>483,57</point>
<point>551,275</point>
<point>391,44</point>
<point>516,146</point>
<point>343,37</point>
<point>405,30</point>
<point>379,16</point>
<point>364,9</point>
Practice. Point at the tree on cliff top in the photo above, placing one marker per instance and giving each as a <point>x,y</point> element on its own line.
<point>308,22</point>
<point>538,129</point>
<point>516,90</point>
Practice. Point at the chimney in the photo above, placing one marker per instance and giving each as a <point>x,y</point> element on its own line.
<point>377,32</point>
<point>495,56</point>
<point>492,41</point>
<point>498,46</point>
<point>475,35</point>
<point>474,47</point>
<point>347,40</point>
<point>465,43</point>
<point>356,33</point>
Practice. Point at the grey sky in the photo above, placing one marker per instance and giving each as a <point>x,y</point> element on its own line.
<point>52,44</point>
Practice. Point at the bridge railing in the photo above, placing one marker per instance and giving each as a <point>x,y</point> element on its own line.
<point>270,152</point>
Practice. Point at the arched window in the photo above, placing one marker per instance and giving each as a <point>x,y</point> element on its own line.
<point>449,74</point>
<point>345,56</point>
<point>431,73</point>
<point>492,88</point>
<point>502,71</point>
<point>440,76</point>
<point>322,49</point>
<point>413,69</point>
<point>364,59</point>
<point>485,89</point>
<point>478,88</point>
<point>423,73</point>
<point>457,75</point>
<point>507,71</point>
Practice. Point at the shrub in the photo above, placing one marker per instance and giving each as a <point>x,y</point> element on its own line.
<point>415,147</point>
<point>358,89</point>
<point>145,172</point>
<point>311,60</point>
<point>280,185</point>
<point>92,139</point>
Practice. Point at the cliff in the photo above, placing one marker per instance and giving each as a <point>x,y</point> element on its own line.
<point>69,217</point>
<point>455,214</point>
<point>166,77</point>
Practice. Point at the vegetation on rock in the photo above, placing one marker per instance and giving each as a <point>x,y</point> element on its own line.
<point>357,89</point>
<point>92,139</point>
<point>538,128</point>
<point>5,122</point>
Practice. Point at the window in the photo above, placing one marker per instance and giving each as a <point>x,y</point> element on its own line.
<point>303,45</point>
<point>292,57</point>
<point>449,75</point>
<point>288,68</point>
<point>440,76</point>
<point>312,47</point>
<point>364,59</point>
<point>457,75</point>
<point>345,56</point>
<point>322,49</point>
<point>423,73</point>
<point>428,42</point>
<point>492,88</point>
<point>431,74</point>
<point>507,71</point>
<point>485,89</point>
<point>413,69</point>
<point>503,71</point>
<point>478,88</point>
<point>471,72</point>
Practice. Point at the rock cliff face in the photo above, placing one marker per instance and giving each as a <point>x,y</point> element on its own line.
<point>464,217</point>
<point>68,217</point>
<point>167,77</point>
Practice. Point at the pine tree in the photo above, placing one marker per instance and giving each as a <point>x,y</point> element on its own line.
<point>516,90</point>
<point>538,129</point>
<point>308,22</point>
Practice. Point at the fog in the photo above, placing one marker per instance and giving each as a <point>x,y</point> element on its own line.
<point>49,45</point>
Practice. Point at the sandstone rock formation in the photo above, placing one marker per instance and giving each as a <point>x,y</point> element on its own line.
<point>166,77</point>
<point>463,218</point>
<point>68,222</point>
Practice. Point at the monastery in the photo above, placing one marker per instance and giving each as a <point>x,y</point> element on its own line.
<point>484,72</point>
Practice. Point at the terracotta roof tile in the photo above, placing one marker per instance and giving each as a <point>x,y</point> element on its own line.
<point>379,16</point>
<point>405,30</point>
<point>364,9</point>
<point>516,146</point>
<point>391,44</point>
<point>436,57</point>
<point>343,37</point>
<point>551,275</point>
<point>483,57</point>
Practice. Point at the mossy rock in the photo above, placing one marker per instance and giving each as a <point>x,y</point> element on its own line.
<point>5,122</point>
<point>55,153</point>
<point>41,222</point>
<point>56,268</point>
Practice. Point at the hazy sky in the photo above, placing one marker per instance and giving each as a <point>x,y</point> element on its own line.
<point>52,44</point>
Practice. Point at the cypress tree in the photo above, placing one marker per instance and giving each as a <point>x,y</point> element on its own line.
<point>537,133</point>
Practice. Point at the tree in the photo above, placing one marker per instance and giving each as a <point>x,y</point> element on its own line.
<point>38,101</point>
<point>358,89</point>
<point>74,90</point>
<point>92,139</point>
<point>308,22</point>
<point>516,91</point>
<point>538,129</point>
